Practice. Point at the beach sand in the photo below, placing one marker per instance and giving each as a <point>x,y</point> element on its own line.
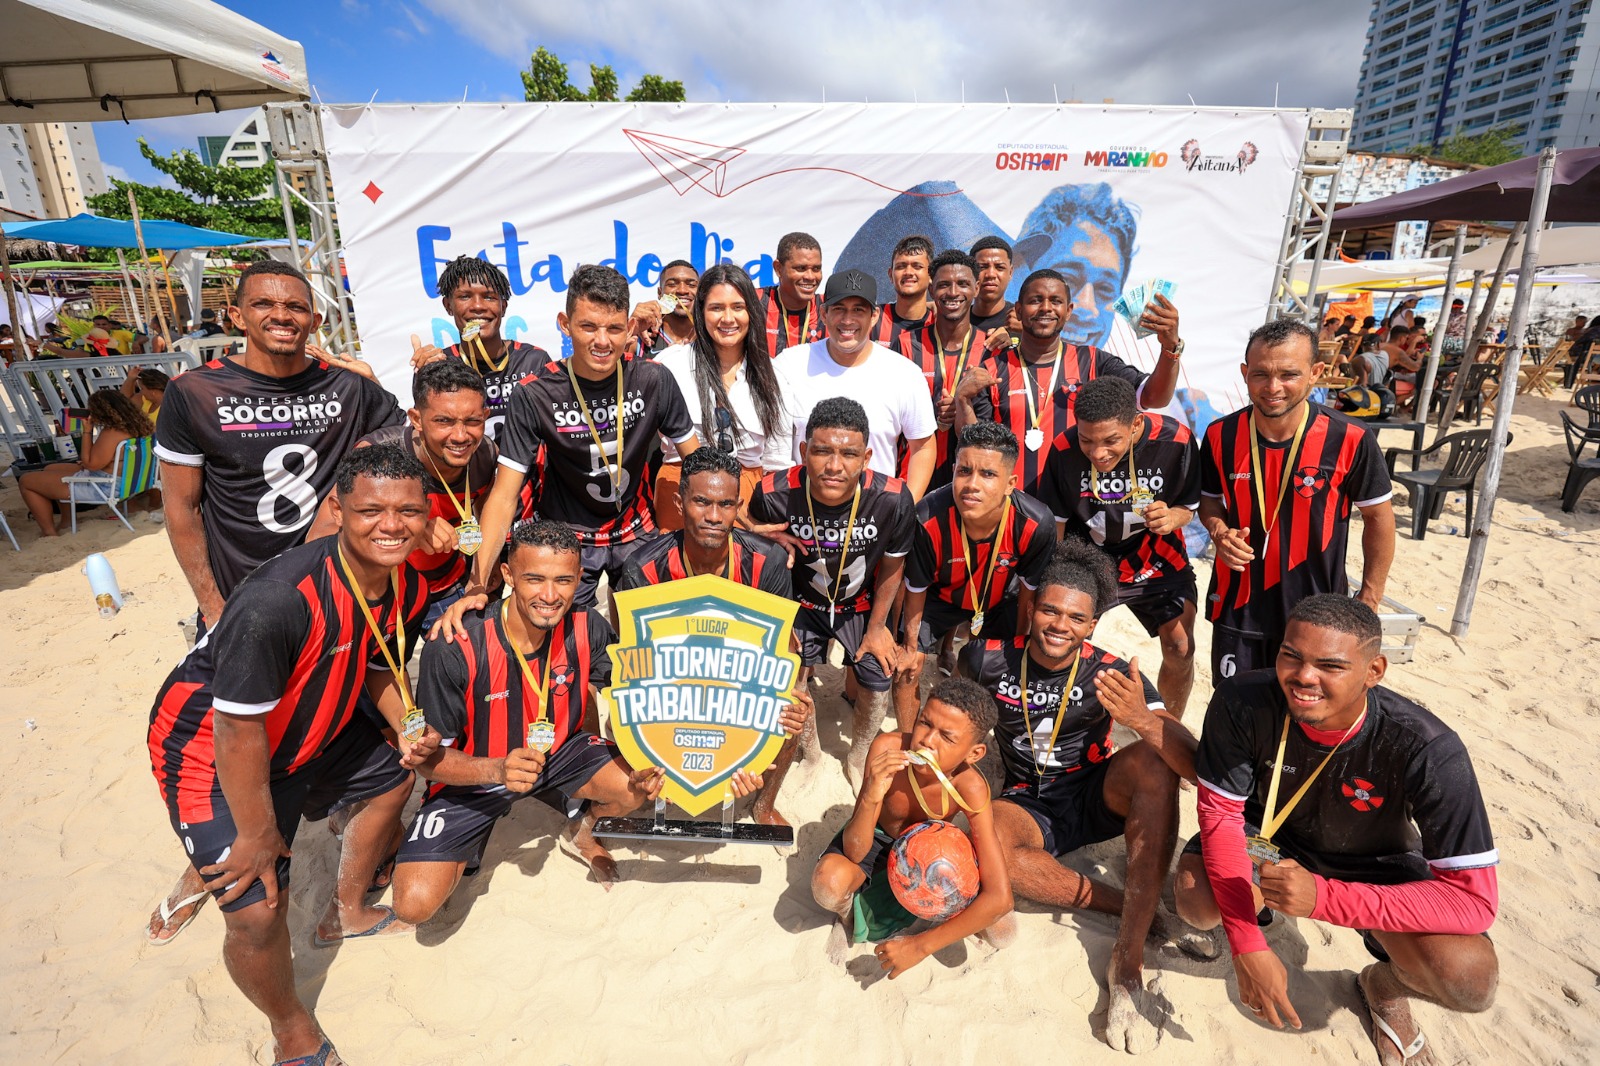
<point>716,955</point>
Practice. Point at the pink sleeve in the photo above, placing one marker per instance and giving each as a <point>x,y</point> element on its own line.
<point>1453,901</point>
<point>1228,869</point>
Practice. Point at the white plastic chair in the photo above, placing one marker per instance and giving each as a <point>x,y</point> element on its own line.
<point>134,471</point>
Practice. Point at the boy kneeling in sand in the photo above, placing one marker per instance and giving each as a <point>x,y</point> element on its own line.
<point>900,791</point>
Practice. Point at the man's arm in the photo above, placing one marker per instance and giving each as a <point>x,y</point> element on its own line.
<point>920,457</point>
<point>974,381</point>
<point>499,508</point>
<point>186,530</point>
<point>1233,545</point>
<point>1133,702</point>
<point>877,640</point>
<point>1377,551</point>
<point>1161,316</point>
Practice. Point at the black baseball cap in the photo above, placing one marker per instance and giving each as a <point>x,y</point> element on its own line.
<point>849,283</point>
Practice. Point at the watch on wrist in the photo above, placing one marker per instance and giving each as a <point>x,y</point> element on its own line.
<point>1176,351</point>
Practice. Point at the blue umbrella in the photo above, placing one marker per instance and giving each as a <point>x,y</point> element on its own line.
<point>92,231</point>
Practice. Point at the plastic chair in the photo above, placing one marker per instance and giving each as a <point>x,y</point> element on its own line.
<point>1472,393</point>
<point>1581,471</point>
<point>1588,398</point>
<point>135,470</point>
<point>1468,451</point>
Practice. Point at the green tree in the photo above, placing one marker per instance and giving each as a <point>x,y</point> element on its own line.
<point>1496,145</point>
<point>546,79</point>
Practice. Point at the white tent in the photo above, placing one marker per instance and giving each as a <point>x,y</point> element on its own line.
<point>1371,271</point>
<point>1561,246</point>
<point>90,60</point>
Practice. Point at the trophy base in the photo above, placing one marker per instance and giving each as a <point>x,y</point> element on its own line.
<point>663,829</point>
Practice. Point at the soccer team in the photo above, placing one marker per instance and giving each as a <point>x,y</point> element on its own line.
<point>939,468</point>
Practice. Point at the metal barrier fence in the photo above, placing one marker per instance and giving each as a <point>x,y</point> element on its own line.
<point>37,390</point>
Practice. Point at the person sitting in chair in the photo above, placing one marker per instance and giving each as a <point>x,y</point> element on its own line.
<point>113,418</point>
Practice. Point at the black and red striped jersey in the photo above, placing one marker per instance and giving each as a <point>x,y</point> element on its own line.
<point>1083,738</point>
<point>754,561</point>
<point>521,361</point>
<point>1019,385</point>
<point>1166,463</point>
<point>938,562</point>
<point>1339,464</point>
<point>885,525</point>
<point>790,329</point>
<point>267,449</point>
<point>291,646</point>
<point>942,369</point>
<point>997,320</point>
<point>474,693</point>
<point>445,570</point>
<point>577,486</point>
<point>908,336</point>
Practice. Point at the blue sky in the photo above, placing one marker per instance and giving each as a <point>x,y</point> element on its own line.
<point>1246,53</point>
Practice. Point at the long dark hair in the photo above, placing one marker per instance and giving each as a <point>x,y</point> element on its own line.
<point>758,372</point>
<point>110,409</point>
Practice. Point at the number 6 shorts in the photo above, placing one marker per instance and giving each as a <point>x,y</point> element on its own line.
<point>454,822</point>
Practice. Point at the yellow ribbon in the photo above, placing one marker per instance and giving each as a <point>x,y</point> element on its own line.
<point>540,688</point>
<point>1273,822</point>
<point>950,792</point>
<point>1267,521</point>
<point>464,508</point>
<point>816,538</point>
<point>1061,708</point>
<point>1036,409</point>
<point>583,408</point>
<point>980,597</point>
<point>396,668</point>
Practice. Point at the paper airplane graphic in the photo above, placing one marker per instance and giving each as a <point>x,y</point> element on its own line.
<point>687,164</point>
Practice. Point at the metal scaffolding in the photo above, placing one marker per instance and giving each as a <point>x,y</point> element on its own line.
<point>1305,229</point>
<point>302,164</point>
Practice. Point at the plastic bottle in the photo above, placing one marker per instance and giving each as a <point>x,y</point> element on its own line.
<point>103,583</point>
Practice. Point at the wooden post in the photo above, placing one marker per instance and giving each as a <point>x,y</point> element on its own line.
<point>144,260</point>
<point>172,301</point>
<point>19,336</point>
<point>1483,514</point>
<point>1470,356</point>
<point>1431,369</point>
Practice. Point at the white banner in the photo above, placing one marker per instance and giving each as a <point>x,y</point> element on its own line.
<point>1110,196</point>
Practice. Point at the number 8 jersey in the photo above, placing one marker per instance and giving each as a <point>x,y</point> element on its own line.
<point>268,448</point>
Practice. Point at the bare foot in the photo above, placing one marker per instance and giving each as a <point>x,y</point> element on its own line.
<point>181,907</point>
<point>1388,1006</point>
<point>838,942</point>
<point>1136,1016</point>
<point>362,923</point>
<point>578,841</point>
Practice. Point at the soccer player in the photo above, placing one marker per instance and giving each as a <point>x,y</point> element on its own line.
<point>1068,788</point>
<point>708,543</point>
<point>475,293</point>
<point>955,345</point>
<point>1130,482</point>
<point>853,527</point>
<point>790,311</point>
<point>981,547</point>
<point>901,791</point>
<point>847,363</point>
<point>598,417</point>
<point>514,698</point>
<point>445,430</point>
<point>1033,385</point>
<point>667,321</point>
<point>257,726</point>
<point>1377,825</point>
<point>903,326</point>
<point>991,257</point>
<point>1278,480</point>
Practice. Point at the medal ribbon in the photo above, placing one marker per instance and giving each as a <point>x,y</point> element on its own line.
<point>1061,709</point>
<point>396,668</point>
<point>1133,482</point>
<point>1274,822</point>
<point>945,784</point>
<point>463,508</point>
<point>1037,409</point>
<point>980,596</point>
<point>540,688</point>
<point>816,538</point>
<point>727,567</point>
<point>1268,521</point>
<point>965,351</point>
<point>588,420</point>
<point>482,356</point>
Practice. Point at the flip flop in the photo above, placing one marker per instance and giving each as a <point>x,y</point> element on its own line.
<point>1407,1051</point>
<point>167,912</point>
<point>385,874</point>
<point>388,919</point>
<point>319,1057</point>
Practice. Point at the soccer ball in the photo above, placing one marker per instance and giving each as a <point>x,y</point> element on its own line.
<point>933,871</point>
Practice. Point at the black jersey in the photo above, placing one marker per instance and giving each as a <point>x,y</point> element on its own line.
<point>995,321</point>
<point>474,693</point>
<point>444,571</point>
<point>519,361</point>
<point>790,329</point>
<point>1399,796</point>
<point>938,560</point>
<point>1021,387</point>
<point>885,524</point>
<point>577,487</point>
<point>268,448</point>
<point>1084,737</point>
<point>753,561</point>
<point>1166,463</point>
<point>293,647</point>
<point>1338,464</point>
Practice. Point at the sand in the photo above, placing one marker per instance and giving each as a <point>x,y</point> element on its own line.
<point>719,956</point>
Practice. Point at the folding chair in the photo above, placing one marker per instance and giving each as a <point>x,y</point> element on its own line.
<point>134,471</point>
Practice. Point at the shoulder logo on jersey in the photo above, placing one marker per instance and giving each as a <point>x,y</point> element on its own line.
<point>561,680</point>
<point>1359,792</point>
<point>1309,480</point>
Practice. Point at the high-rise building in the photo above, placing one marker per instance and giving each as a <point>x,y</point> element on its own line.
<point>49,169</point>
<point>1436,68</point>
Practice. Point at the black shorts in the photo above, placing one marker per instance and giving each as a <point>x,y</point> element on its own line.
<point>454,822</point>
<point>874,862</point>
<point>1070,809</point>
<point>357,765</point>
<point>608,560</point>
<point>1234,651</point>
<point>940,619</point>
<point>814,632</point>
<point>1157,602</point>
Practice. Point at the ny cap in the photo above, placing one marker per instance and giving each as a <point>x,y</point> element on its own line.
<point>849,283</point>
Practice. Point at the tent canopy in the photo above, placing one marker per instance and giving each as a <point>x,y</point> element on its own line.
<point>91,231</point>
<point>1367,271</point>
<point>1566,246</point>
<point>1494,193</point>
<point>90,60</point>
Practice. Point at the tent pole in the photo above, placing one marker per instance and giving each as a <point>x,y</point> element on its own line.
<point>172,299</point>
<point>144,259</point>
<point>19,335</point>
<point>1484,513</point>
<point>1470,356</point>
<point>135,304</point>
<point>1431,370</point>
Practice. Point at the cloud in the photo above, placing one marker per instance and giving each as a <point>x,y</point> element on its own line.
<point>898,50</point>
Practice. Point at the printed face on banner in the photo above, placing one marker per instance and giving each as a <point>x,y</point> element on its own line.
<point>698,676</point>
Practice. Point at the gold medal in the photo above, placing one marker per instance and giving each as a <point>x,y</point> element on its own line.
<point>469,537</point>
<point>413,724</point>
<point>1142,498</point>
<point>541,736</point>
<point>669,305</point>
<point>1261,850</point>
<point>977,623</point>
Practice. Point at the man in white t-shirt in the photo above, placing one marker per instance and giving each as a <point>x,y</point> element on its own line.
<point>848,363</point>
